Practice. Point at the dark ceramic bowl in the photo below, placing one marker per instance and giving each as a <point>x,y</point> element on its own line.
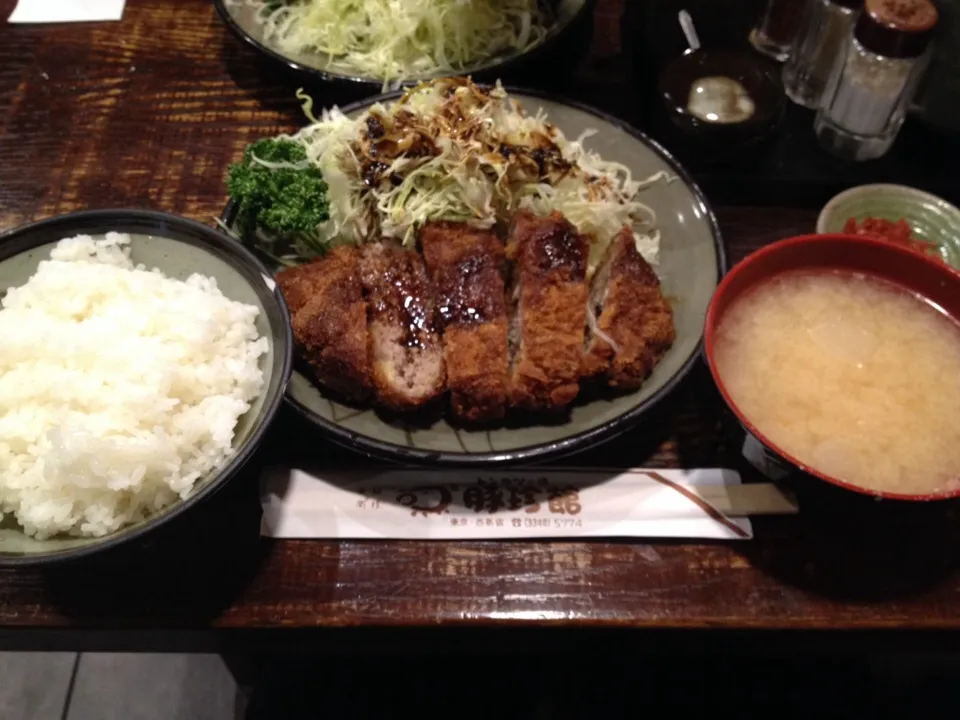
<point>556,53</point>
<point>757,76</point>
<point>179,248</point>
<point>937,283</point>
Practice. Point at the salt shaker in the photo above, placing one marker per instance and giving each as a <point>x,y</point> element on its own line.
<point>824,29</point>
<point>871,86</point>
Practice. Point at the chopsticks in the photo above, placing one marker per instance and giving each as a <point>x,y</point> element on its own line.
<point>749,500</point>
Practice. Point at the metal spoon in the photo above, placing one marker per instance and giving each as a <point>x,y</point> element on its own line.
<point>689,31</point>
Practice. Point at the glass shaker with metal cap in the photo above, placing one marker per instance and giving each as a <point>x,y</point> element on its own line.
<point>824,30</point>
<point>870,87</point>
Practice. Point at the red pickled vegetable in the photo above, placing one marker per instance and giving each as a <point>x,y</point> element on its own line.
<point>897,233</point>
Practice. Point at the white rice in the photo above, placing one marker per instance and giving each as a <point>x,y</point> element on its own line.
<point>119,388</point>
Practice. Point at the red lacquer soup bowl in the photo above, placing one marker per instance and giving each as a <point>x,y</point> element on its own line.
<point>910,270</point>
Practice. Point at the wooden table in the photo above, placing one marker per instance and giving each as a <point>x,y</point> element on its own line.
<point>148,113</point>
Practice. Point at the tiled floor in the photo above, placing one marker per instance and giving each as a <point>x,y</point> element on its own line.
<point>67,686</point>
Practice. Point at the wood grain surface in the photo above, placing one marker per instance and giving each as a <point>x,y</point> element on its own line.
<point>148,113</point>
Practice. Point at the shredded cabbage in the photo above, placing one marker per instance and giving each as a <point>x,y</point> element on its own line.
<point>451,150</point>
<point>395,40</point>
<point>595,329</point>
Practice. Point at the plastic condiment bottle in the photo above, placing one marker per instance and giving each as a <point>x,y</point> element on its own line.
<point>824,30</point>
<point>870,88</point>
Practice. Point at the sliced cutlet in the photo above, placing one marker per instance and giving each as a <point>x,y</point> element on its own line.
<point>466,266</point>
<point>296,284</point>
<point>406,352</point>
<point>329,317</point>
<point>634,322</point>
<point>551,306</point>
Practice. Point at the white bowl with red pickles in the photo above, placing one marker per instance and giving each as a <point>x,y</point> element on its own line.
<point>903,215</point>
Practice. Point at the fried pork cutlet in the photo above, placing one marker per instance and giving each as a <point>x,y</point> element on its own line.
<point>631,313</point>
<point>296,284</point>
<point>550,316</point>
<point>466,266</point>
<point>330,320</point>
<point>406,352</point>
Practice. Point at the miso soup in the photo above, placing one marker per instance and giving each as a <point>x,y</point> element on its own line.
<point>850,375</point>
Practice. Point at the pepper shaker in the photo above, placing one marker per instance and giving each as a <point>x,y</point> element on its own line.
<point>824,29</point>
<point>871,86</point>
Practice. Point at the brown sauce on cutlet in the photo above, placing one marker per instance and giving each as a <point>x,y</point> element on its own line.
<point>406,298</point>
<point>559,247</point>
<point>466,300</point>
<point>630,261</point>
